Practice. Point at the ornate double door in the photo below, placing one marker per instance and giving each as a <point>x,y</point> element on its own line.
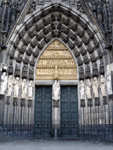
<point>43,112</point>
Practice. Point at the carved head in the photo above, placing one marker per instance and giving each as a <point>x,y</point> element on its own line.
<point>4,68</point>
<point>17,78</point>
<point>102,78</point>
<point>4,73</point>
<point>56,83</point>
<point>24,80</point>
<point>88,82</point>
<point>30,81</point>
<point>81,82</point>
<point>95,78</point>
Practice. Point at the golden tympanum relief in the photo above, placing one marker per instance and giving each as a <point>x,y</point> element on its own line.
<point>56,62</point>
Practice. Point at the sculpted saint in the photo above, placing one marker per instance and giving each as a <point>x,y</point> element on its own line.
<point>109,80</point>
<point>56,90</point>
<point>102,85</point>
<point>24,89</point>
<point>10,85</point>
<point>3,84</point>
<point>88,89</point>
<point>82,90</point>
<point>109,83</point>
<point>95,87</point>
<point>16,87</point>
<point>30,89</point>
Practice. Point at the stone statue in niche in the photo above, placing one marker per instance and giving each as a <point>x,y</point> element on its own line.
<point>82,90</point>
<point>16,87</point>
<point>88,89</point>
<point>103,85</point>
<point>3,84</point>
<point>109,81</point>
<point>24,89</point>
<point>56,94</point>
<point>30,90</point>
<point>95,87</point>
<point>10,85</point>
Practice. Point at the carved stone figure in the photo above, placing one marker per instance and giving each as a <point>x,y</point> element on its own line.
<point>109,81</point>
<point>3,84</point>
<point>88,89</point>
<point>102,85</point>
<point>95,87</point>
<point>24,89</point>
<point>30,90</point>
<point>82,90</point>
<point>56,94</point>
<point>16,87</point>
<point>10,85</point>
<point>56,90</point>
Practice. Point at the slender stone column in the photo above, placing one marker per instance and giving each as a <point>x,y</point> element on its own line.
<point>56,108</point>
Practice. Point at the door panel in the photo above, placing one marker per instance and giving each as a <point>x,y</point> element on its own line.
<point>43,111</point>
<point>69,112</point>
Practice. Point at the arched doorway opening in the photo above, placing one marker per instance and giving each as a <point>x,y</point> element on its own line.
<point>56,114</point>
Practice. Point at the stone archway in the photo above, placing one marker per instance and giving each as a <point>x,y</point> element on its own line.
<point>29,41</point>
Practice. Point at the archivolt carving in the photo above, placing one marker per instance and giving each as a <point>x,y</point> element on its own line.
<point>51,29</point>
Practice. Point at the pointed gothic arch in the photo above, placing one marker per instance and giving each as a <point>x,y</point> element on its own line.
<point>74,29</point>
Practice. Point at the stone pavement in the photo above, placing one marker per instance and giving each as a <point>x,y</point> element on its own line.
<point>55,145</point>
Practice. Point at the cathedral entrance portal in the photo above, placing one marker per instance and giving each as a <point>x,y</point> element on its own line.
<point>56,105</point>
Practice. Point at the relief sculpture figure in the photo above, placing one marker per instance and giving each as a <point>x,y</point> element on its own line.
<point>82,90</point>
<point>56,93</point>
<point>10,86</point>
<point>3,84</point>
<point>95,88</point>
<point>109,83</point>
<point>24,89</point>
<point>30,90</point>
<point>103,85</point>
<point>88,89</point>
<point>16,87</point>
<point>109,80</point>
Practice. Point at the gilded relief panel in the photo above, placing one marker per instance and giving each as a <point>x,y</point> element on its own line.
<point>56,62</point>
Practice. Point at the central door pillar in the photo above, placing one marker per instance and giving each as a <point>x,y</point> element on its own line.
<point>56,108</point>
